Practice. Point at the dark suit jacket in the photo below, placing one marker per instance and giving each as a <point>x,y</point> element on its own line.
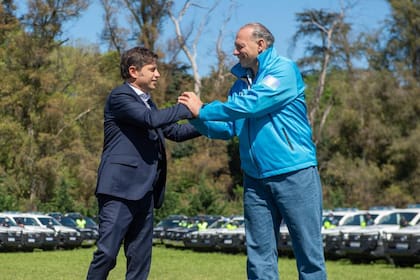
<point>133,161</point>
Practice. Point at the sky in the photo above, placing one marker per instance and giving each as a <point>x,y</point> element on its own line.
<point>276,15</point>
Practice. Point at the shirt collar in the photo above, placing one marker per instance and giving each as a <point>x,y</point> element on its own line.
<point>143,95</point>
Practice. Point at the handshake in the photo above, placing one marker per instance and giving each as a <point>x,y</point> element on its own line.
<point>192,101</point>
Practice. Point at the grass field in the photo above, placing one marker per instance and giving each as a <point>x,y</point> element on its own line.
<point>176,264</point>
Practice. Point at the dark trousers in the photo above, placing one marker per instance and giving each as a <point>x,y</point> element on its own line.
<point>124,221</point>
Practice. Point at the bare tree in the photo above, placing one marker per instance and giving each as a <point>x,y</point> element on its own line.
<point>221,54</point>
<point>326,25</point>
<point>189,46</point>
<point>147,15</point>
<point>112,33</point>
<point>143,24</point>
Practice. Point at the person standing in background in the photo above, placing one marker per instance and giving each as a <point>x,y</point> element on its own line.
<point>266,110</point>
<point>132,171</point>
<point>80,222</point>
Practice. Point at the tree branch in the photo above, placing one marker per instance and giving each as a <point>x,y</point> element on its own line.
<point>78,117</point>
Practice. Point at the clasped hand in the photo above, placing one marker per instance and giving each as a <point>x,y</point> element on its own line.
<point>192,101</point>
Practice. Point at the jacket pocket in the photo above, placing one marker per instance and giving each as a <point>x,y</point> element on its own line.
<point>124,160</point>
<point>282,132</point>
<point>287,138</point>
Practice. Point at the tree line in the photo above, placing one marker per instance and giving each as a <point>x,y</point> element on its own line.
<point>365,119</point>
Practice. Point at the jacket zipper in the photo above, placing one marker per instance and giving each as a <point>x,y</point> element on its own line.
<point>251,153</point>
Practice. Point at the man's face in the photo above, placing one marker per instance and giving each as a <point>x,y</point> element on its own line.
<point>246,48</point>
<point>146,77</point>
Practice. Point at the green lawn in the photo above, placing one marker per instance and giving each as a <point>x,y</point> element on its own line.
<point>176,264</point>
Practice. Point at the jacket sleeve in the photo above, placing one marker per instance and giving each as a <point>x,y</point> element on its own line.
<point>127,108</point>
<point>274,89</point>
<point>180,132</point>
<point>214,129</point>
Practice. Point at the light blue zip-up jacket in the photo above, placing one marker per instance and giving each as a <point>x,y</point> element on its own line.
<point>268,114</point>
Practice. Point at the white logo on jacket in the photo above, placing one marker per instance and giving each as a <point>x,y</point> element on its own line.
<point>271,82</point>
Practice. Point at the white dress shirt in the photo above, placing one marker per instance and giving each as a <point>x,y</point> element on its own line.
<point>143,95</point>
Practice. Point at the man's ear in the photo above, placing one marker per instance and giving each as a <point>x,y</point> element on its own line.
<point>262,45</point>
<point>132,70</point>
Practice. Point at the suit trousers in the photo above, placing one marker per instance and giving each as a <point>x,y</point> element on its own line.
<point>124,221</point>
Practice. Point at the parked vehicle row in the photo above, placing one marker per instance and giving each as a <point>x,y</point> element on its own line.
<point>361,236</point>
<point>29,231</point>
<point>373,242</point>
<point>226,234</point>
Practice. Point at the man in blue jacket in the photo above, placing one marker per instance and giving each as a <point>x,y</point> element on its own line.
<point>132,171</point>
<point>266,109</point>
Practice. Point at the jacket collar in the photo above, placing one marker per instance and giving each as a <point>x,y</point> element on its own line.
<point>264,59</point>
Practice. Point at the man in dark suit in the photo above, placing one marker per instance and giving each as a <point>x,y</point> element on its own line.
<point>132,172</point>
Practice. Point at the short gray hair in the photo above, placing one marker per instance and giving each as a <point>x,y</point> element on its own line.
<point>261,32</point>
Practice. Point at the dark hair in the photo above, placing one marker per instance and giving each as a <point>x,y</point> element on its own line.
<point>261,32</point>
<point>138,57</point>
